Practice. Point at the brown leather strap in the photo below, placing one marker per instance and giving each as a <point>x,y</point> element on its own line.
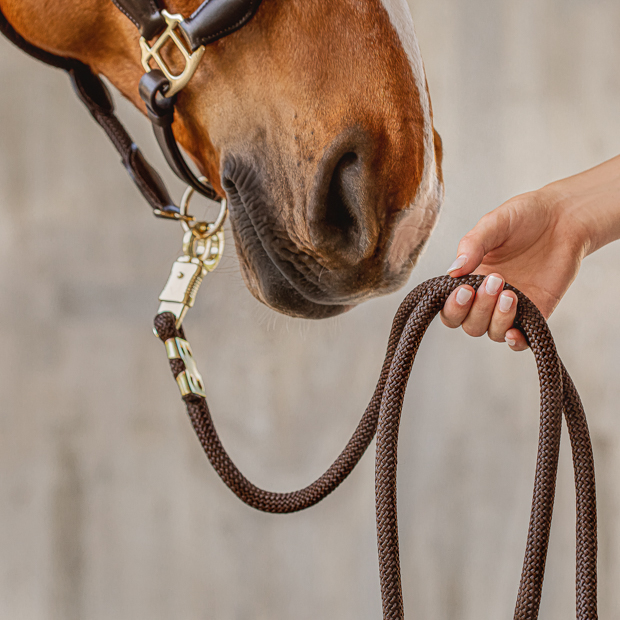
<point>145,15</point>
<point>382,415</point>
<point>94,94</point>
<point>161,114</point>
<point>211,21</point>
<point>215,19</point>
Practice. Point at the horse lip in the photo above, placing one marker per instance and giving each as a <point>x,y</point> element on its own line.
<point>294,285</point>
<point>238,193</point>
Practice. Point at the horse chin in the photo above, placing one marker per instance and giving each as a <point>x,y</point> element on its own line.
<point>270,287</point>
<point>289,278</point>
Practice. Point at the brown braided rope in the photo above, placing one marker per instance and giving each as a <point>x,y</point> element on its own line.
<point>557,394</point>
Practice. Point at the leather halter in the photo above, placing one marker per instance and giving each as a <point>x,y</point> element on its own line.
<point>213,20</point>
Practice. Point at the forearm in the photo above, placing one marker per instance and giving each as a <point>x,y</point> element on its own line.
<point>592,200</point>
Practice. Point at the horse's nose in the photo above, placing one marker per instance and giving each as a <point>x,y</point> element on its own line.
<point>342,218</point>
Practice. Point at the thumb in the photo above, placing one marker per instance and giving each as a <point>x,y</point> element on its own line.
<point>489,233</point>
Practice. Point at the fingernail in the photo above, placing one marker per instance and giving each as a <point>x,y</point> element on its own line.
<point>493,285</point>
<point>458,263</point>
<point>505,302</point>
<point>463,295</point>
<point>510,341</point>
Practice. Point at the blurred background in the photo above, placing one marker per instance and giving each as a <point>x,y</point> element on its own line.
<point>108,506</point>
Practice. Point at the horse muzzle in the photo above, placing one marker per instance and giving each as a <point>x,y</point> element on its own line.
<point>320,260</point>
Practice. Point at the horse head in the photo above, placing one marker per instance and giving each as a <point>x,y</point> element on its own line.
<point>316,122</point>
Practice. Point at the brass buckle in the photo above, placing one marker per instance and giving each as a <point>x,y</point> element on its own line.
<point>177,82</point>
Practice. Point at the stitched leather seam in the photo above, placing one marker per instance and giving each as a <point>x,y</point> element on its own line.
<point>154,10</point>
<point>151,196</point>
<point>200,7</point>
<point>122,141</point>
<point>124,11</point>
<point>213,37</point>
<point>145,187</point>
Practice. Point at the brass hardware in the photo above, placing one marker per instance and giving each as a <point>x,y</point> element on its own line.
<point>173,216</point>
<point>187,196</point>
<point>180,291</point>
<point>216,251</point>
<point>203,247</point>
<point>201,256</point>
<point>171,349</point>
<point>152,52</point>
<point>189,381</point>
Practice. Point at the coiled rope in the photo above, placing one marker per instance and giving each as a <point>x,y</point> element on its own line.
<point>382,416</point>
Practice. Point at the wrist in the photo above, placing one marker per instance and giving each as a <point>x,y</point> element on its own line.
<point>572,221</point>
<point>587,206</point>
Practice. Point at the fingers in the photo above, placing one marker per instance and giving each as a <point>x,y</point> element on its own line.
<point>457,306</point>
<point>503,316</point>
<point>516,340</point>
<point>489,310</point>
<point>478,320</point>
<point>489,233</point>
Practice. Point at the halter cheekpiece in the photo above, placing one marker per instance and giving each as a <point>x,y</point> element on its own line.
<point>159,87</point>
<point>213,20</point>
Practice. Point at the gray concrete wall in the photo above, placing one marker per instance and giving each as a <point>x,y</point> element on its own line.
<point>108,508</point>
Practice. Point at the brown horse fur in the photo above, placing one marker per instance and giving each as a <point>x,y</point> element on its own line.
<point>312,119</point>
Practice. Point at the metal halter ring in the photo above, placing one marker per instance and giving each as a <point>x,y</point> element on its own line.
<point>151,52</point>
<point>214,227</point>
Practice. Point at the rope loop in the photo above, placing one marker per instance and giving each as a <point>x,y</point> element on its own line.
<point>382,416</point>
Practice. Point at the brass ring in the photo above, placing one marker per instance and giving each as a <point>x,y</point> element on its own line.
<point>214,227</point>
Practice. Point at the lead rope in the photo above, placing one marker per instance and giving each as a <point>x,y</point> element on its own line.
<point>557,394</point>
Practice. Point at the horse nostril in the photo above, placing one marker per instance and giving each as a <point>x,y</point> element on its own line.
<point>341,219</point>
<point>340,205</point>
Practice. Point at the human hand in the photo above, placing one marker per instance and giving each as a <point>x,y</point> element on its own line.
<point>536,243</point>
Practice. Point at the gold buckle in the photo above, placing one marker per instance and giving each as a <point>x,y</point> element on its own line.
<point>151,52</point>
<point>190,380</point>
